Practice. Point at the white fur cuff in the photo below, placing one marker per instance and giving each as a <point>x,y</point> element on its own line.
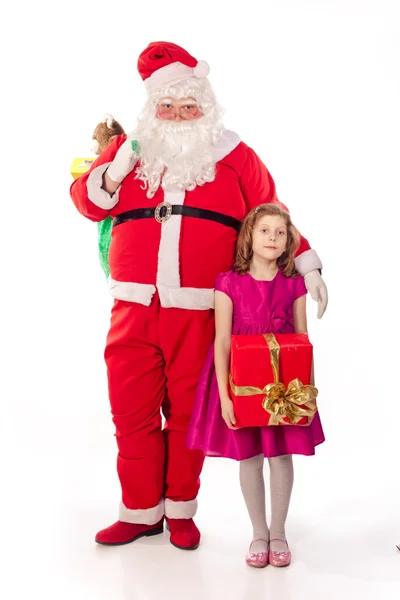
<point>96,194</point>
<point>307,261</point>
<point>180,510</point>
<point>143,516</point>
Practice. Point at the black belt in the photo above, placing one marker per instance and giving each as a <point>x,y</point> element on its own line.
<point>164,211</point>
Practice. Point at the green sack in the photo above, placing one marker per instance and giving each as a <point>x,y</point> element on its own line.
<point>104,230</point>
<point>104,239</point>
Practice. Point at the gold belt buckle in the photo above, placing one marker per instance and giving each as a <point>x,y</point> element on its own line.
<point>168,212</point>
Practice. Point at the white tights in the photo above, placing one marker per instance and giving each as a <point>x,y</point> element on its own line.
<point>253,489</point>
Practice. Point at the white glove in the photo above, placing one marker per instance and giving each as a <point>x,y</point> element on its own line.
<point>124,161</point>
<point>318,290</point>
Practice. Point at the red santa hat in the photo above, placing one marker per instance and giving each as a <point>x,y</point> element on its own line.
<point>163,65</point>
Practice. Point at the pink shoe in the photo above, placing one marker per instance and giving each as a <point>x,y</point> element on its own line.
<point>279,559</point>
<point>259,560</point>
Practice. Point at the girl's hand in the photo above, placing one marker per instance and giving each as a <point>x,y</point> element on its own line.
<point>228,413</point>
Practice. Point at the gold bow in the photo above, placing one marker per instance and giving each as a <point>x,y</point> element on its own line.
<point>294,403</point>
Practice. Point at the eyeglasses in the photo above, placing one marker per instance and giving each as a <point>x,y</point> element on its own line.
<point>189,110</point>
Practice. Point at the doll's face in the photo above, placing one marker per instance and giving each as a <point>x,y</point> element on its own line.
<point>269,237</point>
<point>183,109</point>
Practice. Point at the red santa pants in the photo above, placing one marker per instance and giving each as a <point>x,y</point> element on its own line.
<point>154,359</point>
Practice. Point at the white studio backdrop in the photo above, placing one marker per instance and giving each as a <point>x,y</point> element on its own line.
<point>313,86</point>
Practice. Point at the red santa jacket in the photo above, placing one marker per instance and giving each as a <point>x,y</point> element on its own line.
<point>182,256</point>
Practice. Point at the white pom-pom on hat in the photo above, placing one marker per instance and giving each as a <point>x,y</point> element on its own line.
<point>201,70</point>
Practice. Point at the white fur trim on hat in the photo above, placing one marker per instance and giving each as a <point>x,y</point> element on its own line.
<point>174,73</point>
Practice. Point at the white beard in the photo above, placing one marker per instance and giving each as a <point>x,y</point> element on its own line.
<point>177,156</point>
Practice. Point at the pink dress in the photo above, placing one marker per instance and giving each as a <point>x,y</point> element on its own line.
<point>258,307</point>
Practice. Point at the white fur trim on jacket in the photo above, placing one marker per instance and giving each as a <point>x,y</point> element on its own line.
<point>228,142</point>
<point>168,253</point>
<point>174,73</point>
<point>180,510</point>
<point>142,516</point>
<point>96,194</point>
<point>307,261</point>
<point>168,276</point>
<point>189,298</point>
<point>141,293</point>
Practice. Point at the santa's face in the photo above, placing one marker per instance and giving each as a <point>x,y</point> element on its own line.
<point>182,109</point>
<point>177,133</point>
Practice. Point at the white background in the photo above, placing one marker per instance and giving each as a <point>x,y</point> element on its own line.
<point>313,87</point>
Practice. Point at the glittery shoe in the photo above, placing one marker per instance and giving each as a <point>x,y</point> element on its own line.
<point>279,559</point>
<point>259,560</point>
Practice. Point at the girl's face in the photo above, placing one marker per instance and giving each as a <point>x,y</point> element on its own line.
<point>269,237</point>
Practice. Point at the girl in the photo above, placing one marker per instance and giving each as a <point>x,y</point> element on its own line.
<point>262,294</point>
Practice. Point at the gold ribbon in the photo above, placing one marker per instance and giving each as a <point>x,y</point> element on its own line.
<point>294,402</point>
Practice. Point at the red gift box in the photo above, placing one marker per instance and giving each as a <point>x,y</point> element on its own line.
<point>269,379</point>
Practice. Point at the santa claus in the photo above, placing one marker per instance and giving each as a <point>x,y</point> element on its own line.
<point>177,189</point>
